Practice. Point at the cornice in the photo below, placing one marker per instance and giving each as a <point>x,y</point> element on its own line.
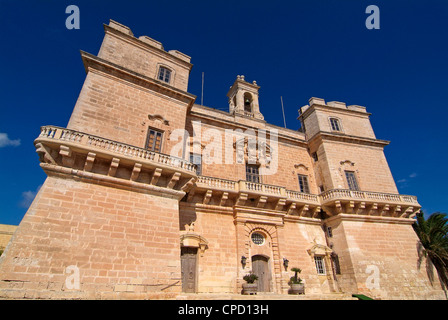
<point>145,46</point>
<point>341,137</point>
<point>314,107</point>
<point>92,62</point>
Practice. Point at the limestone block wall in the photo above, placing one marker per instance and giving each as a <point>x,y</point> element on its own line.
<point>217,265</point>
<point>118,240</point>
<point>6,232</point>
<point>298,239</point>
<point>369,164</point>
<point>118,110</point>
<point>380,257</point>
<point>293,157</point>
<point>143,55</point>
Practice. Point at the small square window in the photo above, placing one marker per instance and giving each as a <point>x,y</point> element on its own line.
<point>335,125</point>
<point>154,140</point>
<point>164,74</point>
<point>252,173</point>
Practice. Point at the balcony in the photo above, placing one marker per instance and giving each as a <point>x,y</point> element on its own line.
<point>227,192</point>
<point>369,203</point>
<point>72,152</point>
<point>65,151</point>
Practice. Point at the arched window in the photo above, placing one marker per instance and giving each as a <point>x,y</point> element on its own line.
<point>247,102</point>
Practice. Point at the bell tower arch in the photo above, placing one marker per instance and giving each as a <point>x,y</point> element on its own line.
<point>243,99</point>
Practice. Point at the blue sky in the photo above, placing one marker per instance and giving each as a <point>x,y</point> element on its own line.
<point>293,49</point>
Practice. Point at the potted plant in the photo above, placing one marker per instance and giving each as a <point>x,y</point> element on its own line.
<point>250,287</point>
<point>296,284</point>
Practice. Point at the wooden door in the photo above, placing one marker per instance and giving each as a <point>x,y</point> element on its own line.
<point>260,267</point>
<point>188,267</point>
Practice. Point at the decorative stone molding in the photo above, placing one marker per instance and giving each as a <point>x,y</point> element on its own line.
<point>191,239</point>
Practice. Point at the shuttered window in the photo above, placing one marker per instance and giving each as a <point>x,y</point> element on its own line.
<point>154,140</point>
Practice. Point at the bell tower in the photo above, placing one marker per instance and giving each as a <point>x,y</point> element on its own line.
<point>243,98</point>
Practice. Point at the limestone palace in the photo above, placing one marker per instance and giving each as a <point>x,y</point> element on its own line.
<point>150,195</point>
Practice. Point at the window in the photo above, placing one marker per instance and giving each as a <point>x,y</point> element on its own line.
<point>351,180</point>
<point>329,232</point>
<point>335,125</point>
<point>336,265</point>
<point>320,264</point>
<point>252,173</point>
<point>314,156</point>
<point>197,160</point>
<point>303,184</point>
<point>164,74</point>
<point>154,140</point>
<point>257,238</point>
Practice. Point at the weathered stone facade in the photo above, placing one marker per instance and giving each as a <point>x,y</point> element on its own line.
<point>150,195</point>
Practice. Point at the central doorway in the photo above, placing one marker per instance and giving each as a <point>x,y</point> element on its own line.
<point>260,267</point>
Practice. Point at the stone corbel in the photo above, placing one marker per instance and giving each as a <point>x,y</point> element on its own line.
<point>67,159</point>
<point>396,211</point>
<point>280,203</point>
<point>303,210</point>
<point>371,207</point>
<point>207,197</point>
<point>224,198</point>
<point>384,210</point>
<point>45,155</point>
<point>136,171</point>
<point>174,178</point>
<point>242,197</point>
<point>408,210</point>
<point>187,186</point>
<point>315,211</point>
<point>88,165</point>
<point>291,208</point>
<point>261,202</point>
<point>155,176</point>
<point>113,167</point>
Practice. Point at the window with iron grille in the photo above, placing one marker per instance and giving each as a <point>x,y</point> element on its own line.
<point>154,140</point>
<point>252,173</point>
<point>303,184</point>
<point>257,238</point>
<point>164,74</point>
<point>320,264</point>
<point>351,180</point>
<point>335,125</point>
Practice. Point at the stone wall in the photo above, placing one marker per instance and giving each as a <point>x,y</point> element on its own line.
<point>116,238</point>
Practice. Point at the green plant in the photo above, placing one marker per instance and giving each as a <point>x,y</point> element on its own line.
<point>295,279</point>
<point>433,235</point>
<point>250,278</point>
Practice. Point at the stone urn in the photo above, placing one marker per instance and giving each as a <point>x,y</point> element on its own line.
<point>250,288</point>
<point>295,283</point>
<point>297,288</point>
